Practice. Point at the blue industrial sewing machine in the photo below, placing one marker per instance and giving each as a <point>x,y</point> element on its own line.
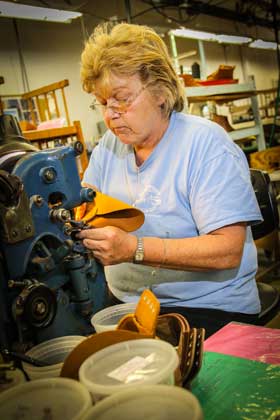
<point>49,285</point>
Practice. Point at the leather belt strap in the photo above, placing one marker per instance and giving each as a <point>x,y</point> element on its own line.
<point>144,320</point>
<point>175,329</point>
<point>145,323</point>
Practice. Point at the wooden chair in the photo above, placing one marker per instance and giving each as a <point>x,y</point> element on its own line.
<point>46,104</point>
<point>266,234</point>
<point>270,244</point>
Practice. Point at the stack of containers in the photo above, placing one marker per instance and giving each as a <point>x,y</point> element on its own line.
<point>107,319</point>
<point>50,398</point>
<point>124,365</point>
<point>53,352</point>
<point>149,402</point>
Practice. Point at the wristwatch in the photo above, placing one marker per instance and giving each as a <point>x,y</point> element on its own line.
<point>139,253</point>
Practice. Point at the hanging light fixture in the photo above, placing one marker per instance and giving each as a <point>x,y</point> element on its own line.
<point>192,34</point>
<point>259,43</point>
<point>22,11</point>
<point>208,36</point>
<point>233,39</point>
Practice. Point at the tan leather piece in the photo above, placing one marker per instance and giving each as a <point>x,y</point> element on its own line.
<point>144,320</point>
<point>223,72</point>
<point>92,344</point>
<point>222,121</point>
<point>173,328</point>
<point>108,211</point>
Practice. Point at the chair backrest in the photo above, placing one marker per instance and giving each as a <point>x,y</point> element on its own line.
<point>46,102</point>
<point>269,295</point>
<point>267,202</point>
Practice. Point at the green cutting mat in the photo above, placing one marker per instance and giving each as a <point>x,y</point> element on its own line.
<point>231,388</point>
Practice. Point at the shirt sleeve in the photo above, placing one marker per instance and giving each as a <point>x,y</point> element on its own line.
<point>222,193</point>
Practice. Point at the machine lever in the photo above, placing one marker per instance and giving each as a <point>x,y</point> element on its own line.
<point>73,227</point>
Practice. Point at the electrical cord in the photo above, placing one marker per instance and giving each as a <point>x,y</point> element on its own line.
<point>25,81</point>
<point>160,10</point>
<point>277,99</point>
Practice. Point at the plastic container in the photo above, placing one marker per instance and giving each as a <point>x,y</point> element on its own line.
<point>11,378</point>
<point>108,318</point>
<point>53,352</point>
<point>129,363</point>
<point>149,402</point>
<point>52,398</point>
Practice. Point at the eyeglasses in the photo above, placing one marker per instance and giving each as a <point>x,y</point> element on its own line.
<point>120,106</point>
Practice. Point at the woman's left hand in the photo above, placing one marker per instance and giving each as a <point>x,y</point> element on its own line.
<point>109,245</point>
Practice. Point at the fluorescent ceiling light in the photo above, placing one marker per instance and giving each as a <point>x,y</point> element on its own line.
<point>189,33</point>
<point>259,43</point>
<point>207,36</point>
<point>233,39</point>
<point>21,11</point>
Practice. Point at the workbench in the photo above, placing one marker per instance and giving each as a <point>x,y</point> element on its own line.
<point>240,374</point>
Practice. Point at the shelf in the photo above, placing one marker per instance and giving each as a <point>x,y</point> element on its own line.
<point>50,133</point>
<point>220,98</point>
<point>270,121</point>
<point>228,93</point>
<point>245,132</point>
<point>234,88</point>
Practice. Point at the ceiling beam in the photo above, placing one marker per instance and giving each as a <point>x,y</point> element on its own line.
<point>195,7</point>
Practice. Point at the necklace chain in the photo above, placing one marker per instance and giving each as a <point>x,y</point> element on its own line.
<point>132,197</point>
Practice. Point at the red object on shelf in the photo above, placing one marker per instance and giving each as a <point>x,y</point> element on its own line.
<point>217,82</point>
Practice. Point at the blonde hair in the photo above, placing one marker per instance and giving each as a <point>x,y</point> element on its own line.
<point>128,49</point>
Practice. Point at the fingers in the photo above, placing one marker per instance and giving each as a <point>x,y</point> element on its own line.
<point>107,232</point>
<point>110,245</point>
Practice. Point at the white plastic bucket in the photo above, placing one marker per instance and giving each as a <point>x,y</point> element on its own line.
<point>51,398</point>
<point>149,402</point>
<point>53,352</point>
<point>108,318</point>
<point>12,378</point>
<point>129,363</point>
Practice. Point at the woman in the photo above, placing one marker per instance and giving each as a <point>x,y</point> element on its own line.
<point>195,250</point>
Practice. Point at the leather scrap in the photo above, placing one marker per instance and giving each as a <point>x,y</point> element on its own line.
<point>92,344</point>
<point>105,210</point>
<point>144,320</point>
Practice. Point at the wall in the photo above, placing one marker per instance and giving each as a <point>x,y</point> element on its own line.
<point>52,51</point>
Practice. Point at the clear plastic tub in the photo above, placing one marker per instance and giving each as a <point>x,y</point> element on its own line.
<point>51,398</point>
<point>53,352</point>
<point>108,318</point>
<point>11,378</point>
<point>129,363</point>
<point>149,402</point>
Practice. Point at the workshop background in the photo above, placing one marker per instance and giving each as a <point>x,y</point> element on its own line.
<point>240,71</point>
<point>37,53</point>
<point>230,65</point>
<point>52,291</point>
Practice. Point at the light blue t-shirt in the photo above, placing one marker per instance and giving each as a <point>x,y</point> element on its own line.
<point>195,181</point>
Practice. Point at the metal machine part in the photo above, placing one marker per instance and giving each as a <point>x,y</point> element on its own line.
<point>50,284</point>
<point>35,305</point>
